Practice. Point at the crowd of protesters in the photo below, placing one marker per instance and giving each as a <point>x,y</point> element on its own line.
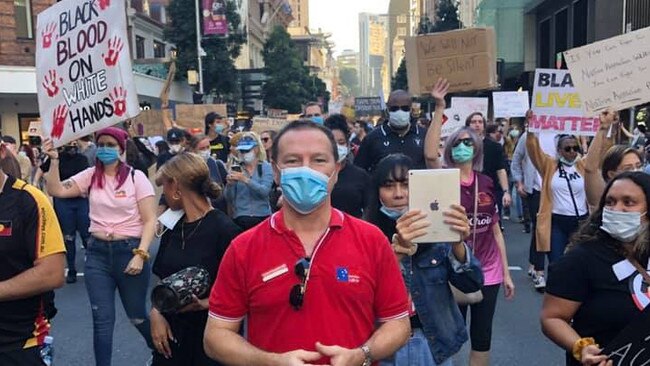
<point>308,240</point>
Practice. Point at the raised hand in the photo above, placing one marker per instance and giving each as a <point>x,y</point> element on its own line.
<point>115,46</point>
<point>51,84</point>
<point>440,89</point>
<point>58,117</point>
<point>47,34</point>
<point>118,97</point>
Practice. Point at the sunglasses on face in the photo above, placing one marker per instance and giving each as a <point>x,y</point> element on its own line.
<point>297,293</point>
<point>106,144</point>
<point>404,108</point>
<point>466,141</point>
<point>575,148</point>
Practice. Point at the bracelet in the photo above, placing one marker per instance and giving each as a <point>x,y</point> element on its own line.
<point>141,253</point>
<point>580,344</point>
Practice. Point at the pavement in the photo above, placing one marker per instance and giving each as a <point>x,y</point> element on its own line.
<point>516,336</point>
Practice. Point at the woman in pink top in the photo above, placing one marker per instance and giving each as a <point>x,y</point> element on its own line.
<point>122,224</point>
<point>464,150</point>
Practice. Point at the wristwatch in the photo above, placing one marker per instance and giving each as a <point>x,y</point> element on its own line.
<point>366,352</point>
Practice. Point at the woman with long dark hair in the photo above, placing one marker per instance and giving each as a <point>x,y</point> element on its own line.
<point>122,223</point>
<point>600,285</point>
<point>438,328</point>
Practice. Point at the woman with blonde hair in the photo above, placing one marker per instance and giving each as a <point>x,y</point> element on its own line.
<point>249,182</point>
<point>199,239</point>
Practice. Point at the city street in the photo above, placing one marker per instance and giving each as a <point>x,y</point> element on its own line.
<point>517,338</point>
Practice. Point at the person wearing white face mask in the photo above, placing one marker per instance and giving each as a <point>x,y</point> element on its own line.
<point>350,193</point>
<point>398,134</point>
<point>601,282</point>
<point>249,184</point>
<point>200,145</point>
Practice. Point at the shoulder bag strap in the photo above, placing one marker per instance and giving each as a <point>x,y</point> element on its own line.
<point>643,272</point>
<point>475,218</point>
<point>568,183</point>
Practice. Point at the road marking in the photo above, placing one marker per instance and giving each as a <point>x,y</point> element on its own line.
<point>515,268</point>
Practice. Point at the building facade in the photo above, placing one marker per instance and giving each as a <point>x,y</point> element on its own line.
<point>18,99</point>
<point>467,12</point>
<point>399,27</point>
<point>374,74</point>
<point>300,22</point>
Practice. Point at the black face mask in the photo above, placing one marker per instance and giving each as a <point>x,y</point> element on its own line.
<point>70,150</point>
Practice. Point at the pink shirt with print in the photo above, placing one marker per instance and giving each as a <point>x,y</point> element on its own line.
<point>115,211</point>
<point>486,248</point>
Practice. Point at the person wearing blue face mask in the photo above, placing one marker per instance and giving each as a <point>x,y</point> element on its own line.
<point>314,112</point>
<point>600,286</point>
<point>215,128</point>
<point>288,270</point>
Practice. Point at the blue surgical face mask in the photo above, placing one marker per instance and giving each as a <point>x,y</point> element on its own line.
<point>218,128</point>
<point>392,213</point>
<point>318,119</point>
<point>303,188</point>
<point>399,119</point>
<point>108,155</point>
<point>462,153</point>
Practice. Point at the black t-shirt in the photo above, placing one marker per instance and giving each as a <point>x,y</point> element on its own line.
<point>585,275</point>
<point>220,147</point>
<point>494,160</point>
<point>163,158</point>
<point>206,242</point>
<point>383,141</point>
<point>350,193</point>
<point>69,165</point>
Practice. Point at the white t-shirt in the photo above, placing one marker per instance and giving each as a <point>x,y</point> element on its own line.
<point>562,202</point>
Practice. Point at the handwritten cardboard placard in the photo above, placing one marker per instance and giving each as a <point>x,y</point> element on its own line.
<point>510,104</point>
<point>467,58</point>
<point>464,106</point>
<point>83,69</point>
<point>630,347</point>
<point>612,73</point>
<point>261,124</point>
<point>556,105</point>
<point>367,106</point>
<point>34,129</point>
<point>193,115</point>
<point>149,123</point>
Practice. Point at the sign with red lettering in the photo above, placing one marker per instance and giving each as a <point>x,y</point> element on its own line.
<point>83,69</point>
<point>557,107</point>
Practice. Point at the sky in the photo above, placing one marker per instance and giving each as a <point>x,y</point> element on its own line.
<point>341,18</point>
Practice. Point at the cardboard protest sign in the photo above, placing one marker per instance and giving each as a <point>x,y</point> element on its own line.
<point>467,58</point>
<point>510,104</point>
<point>612,73</point>
<point>261,124</point>
<point>464,106</point>
<point>34,129</point>
<point>630,347</point>
<point>368,106</point>
<point>556,105</point>
<point>150,123</point>
<point>193,115</point>
<point>83,69</point>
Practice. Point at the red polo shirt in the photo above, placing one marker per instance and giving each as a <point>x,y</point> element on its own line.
<point>354,282</point>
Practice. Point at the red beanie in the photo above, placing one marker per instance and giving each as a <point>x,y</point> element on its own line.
<point>117,133</point>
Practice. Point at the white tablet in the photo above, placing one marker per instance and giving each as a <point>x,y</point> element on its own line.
<point>433,191</point>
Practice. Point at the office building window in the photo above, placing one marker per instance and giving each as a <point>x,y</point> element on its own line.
<point>158,49</point>
<point>544,41</point>
<point>561,32</point>
<point>139,47</point>
<point>580,10</point>
<point>23,17</point>
<point>401,32</point>
<point>401,19</point>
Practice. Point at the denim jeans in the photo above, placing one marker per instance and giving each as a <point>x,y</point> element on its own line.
<point>105,264</point>
<point>415,352</point>
<point>562,227</point>
<point>73,217</point>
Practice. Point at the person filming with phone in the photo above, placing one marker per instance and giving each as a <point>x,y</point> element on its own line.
<point>249,183</point>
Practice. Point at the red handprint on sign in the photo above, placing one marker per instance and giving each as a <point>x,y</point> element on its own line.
<point>103,4</point>
<point>118,97</point>
<point>47,35</point>
<point>58,121</point>
<point>115,45</point>
<point>51,84</point>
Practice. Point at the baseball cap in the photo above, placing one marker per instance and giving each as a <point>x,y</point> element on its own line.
<point>175,134</point>
<point>246,143</point>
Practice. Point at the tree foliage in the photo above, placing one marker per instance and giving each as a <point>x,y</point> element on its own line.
<point>400,80</point>
<point>219,73</point>
<point>289,84</point>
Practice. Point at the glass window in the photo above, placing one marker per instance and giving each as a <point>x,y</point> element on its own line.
<point>139,47</point>
<point>158,49</point>
<point>561,32</point>
<point>545,44</point>
<point>23,16</point>
<point>401,19</point>
<point>580,10</point>
<point>401,32</point>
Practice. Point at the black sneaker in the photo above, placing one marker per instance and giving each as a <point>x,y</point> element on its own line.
<point>71,277</point>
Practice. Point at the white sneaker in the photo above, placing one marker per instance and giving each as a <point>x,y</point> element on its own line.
<point>506,217</point>
<point>531,272</point>
<point>539,282</point>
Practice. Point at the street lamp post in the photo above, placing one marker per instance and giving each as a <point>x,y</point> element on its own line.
<point>199,49</point>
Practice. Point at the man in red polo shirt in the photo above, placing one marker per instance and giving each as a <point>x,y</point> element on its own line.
<point>312,281</point>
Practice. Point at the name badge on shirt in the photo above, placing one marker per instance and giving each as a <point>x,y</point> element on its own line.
<point>275,272</point>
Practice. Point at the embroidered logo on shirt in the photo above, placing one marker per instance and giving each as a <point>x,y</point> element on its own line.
<point>484,199</point>
<point>386,143</point>
<point>5,228</point>
<point>344,275</point>
<point>120,194</point>
<point>417,142</point>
